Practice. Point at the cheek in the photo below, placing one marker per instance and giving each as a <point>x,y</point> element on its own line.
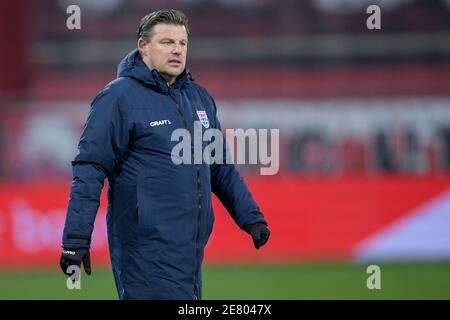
<point>159,57</point>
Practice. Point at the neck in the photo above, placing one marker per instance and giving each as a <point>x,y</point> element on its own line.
<point>169,79</point>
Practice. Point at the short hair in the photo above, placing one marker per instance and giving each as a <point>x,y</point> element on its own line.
<point>167,16</point>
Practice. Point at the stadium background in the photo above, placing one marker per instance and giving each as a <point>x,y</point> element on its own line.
<point>364,119</point>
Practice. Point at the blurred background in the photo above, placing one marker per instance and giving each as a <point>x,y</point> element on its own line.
<point>364,120</point>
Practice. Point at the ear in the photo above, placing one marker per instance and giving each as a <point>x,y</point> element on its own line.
<point>142,46</point>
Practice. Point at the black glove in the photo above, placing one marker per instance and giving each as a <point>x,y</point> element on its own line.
<point>75,256</point>
<point>259,232</point>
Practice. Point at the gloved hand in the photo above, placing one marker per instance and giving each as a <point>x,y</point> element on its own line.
<point>259,232</point>
<point>75,256</point>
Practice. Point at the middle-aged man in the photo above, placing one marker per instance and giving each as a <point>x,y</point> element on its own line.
<point>160,213</point>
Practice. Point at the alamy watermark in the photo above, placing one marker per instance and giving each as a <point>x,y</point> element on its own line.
<point>74,279</point>
<point>253,143</point>
<point>73,21</point>
<point>374,280</point>
<point>373,22</point>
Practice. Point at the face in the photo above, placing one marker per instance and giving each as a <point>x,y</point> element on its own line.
<point>166,50</point>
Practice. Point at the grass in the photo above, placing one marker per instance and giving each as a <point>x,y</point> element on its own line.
<point>265,281</point>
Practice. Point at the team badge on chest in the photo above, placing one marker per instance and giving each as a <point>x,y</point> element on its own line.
<point>203,118</point>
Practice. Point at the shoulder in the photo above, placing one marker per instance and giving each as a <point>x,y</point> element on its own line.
<point>204,94</point>
<point>113,92</point>
<point>119,87</point>
<point>200,89</point>
<point>111,99</point>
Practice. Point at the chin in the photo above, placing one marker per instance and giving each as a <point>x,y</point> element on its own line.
<point>175,73</point>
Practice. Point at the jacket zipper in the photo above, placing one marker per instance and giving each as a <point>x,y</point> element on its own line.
<point>199,214</point>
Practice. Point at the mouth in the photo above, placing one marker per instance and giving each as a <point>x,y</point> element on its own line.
<point>174,62</point>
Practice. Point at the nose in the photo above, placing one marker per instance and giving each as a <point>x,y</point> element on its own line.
<point>177,49</point>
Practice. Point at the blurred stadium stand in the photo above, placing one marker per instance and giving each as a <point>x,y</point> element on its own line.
<point>288,49</point>
<point>245,51</point>
<point>350,103</point>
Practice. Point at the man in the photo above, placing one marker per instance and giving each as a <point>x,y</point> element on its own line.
<point>159,213</point>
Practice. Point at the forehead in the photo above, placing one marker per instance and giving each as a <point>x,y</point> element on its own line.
<point>162,30</point>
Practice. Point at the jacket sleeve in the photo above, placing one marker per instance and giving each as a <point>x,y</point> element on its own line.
<point>229,186</point>
<point>102,143</point>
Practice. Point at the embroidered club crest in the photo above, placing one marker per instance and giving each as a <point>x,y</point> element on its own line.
<point>203,118</point>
